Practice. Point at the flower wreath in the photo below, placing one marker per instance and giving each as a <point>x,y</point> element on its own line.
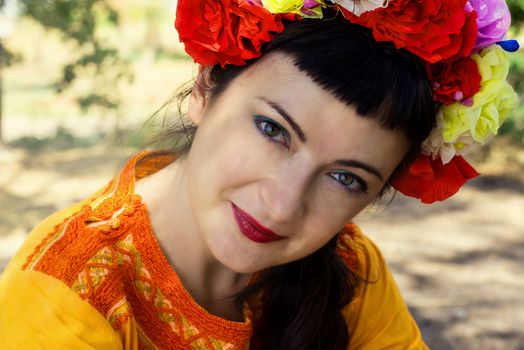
<point>461,43</point>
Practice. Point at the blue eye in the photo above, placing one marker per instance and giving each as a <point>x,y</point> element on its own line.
<point>271,130</point>
<point>351,183</point>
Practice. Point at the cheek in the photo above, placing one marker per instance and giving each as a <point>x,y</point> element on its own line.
<point>227,155</point>
<point>333,205</point>
<point>327,221</point>
<point>324,220</point>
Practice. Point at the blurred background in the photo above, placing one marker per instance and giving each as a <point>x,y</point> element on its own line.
<point>79,79</point>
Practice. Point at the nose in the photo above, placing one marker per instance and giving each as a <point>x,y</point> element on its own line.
<point>285,194</point>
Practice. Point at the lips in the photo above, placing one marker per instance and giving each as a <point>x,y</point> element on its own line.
<point>252,229</point>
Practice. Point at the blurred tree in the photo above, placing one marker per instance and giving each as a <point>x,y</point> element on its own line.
<point>79,21</point>
<point>514,126</point>
<point>516,8</point>
<point>7,15</point>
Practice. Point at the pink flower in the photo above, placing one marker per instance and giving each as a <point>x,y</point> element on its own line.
<point>493,20</point>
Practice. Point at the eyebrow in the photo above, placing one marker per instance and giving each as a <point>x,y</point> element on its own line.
<point>280,110</point>
<point>302,137</point>
<point>357,164</point>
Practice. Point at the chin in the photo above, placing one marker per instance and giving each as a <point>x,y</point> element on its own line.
<point>238,257</point>
<point>240,263</point>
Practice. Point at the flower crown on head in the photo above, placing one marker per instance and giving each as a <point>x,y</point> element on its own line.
<point>461,43</point>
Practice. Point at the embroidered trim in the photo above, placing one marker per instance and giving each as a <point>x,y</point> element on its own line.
<point>96,252</point>
<point>346,246</point>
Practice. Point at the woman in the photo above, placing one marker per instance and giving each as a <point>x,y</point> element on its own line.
<point>242,238</point>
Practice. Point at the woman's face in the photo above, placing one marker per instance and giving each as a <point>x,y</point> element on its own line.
<point>278,149</point>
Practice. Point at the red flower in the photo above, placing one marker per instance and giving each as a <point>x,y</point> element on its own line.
<point>224,32</point>
<point>433,30</point>
<point>430,181</point>
<point>454,81</point>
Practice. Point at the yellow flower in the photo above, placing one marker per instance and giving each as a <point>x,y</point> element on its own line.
<point>435,145</point>
<point>491,105</point>
<point>307,8</point>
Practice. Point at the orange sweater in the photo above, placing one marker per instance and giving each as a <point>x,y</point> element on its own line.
<point>94,277</point>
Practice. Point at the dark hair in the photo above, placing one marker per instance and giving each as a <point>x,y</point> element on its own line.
<point>301,301</point>
<point>379,80</point>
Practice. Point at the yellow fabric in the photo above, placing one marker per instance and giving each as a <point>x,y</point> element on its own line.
<point>38,311</point>
<point>378,318</point>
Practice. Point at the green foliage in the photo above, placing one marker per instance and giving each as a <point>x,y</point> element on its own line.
<point>514,126</point>
<point>516,8</point>
<point>75,19</point>
<point>79,21</point>
<point>62,139</point>
<point>94,99</point>
<point>8,58</point>
<point>517,71</point>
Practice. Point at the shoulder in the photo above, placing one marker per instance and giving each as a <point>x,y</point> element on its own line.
<point>60,241</point>
<point>62,244</point>
<point>377,317</point>
<point>88,247</point>
<point>359,253</point>
<point>39,307</point>
<point>40,312</point>
<point>41,233</point>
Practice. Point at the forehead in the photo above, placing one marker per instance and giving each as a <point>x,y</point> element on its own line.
<point>332,127</point>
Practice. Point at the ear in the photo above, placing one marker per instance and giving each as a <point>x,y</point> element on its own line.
<point>197,105</point>
<point>198,98</point>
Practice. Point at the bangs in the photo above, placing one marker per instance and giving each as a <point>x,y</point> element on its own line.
<point>380,81</point>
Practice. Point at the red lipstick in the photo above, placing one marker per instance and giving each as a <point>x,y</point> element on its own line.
<point>252,229</point>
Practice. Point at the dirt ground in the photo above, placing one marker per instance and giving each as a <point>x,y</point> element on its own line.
<point>459,264</point>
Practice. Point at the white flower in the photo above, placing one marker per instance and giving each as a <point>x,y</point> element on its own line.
<point>437,147</point>
<point>358,7</point>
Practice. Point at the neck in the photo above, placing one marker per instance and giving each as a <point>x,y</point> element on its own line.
<point>210,283</point>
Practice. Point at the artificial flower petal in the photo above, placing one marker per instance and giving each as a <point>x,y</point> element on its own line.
<point>436,147</point>
<point>509,45</point>
<point>493,20</point>
<point>304,8</point>
<point>491,105</point>
<point>454,81</point>
<point>433,30</point>
<point>430,180</point>
<point>358,7</point>
<point>224,32</point>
